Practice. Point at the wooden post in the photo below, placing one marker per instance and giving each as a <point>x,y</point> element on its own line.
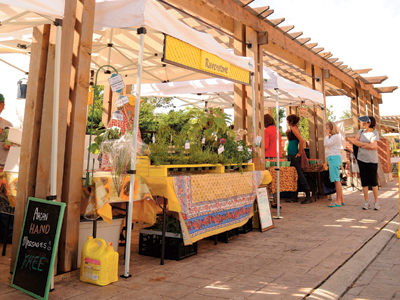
<point>361,97</point>
<point>261,98</point>
<point>252,51</point>
<point>320,86</point>
<point>76,135</point>
<point>354,109</point>
<point>377,115</point>
<point>312,113</point>
<point>44,163</point>
<point>239,90</point>
<point>107,105</point>
<point>31,133</point>
<point>369,104</point>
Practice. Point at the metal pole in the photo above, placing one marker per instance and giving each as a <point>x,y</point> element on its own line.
<point>278,194</point>
<point>56,100</point>
<point>141,31</point>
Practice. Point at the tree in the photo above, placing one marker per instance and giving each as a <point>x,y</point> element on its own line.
<point>281,116</point>
<point>329,114</point>
<point>347,114</point>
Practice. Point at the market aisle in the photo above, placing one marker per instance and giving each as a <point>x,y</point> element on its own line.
<point>381,278</point>
<point>288,262</point>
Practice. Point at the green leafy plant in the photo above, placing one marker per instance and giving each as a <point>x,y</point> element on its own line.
<point>171,225</point>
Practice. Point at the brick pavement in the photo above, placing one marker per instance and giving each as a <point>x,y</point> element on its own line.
<point>290,261</point>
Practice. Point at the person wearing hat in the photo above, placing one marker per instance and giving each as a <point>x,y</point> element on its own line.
<point>367,157</point>
<point>3,125</point>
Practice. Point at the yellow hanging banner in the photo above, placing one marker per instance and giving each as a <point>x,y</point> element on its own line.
<point>182,54</point>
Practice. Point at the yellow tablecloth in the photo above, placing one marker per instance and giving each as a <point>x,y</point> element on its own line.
<point>203,193</point>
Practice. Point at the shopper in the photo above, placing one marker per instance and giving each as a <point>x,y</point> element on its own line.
<point>270,143</point>
<point>295,147</point>
<point>332,151</point>
<point>367,157</point>
<point>4,149</point>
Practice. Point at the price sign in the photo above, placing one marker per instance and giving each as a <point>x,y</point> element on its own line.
<point>187,145</point>
<point>203,140</point>
<point>118,116</point>
<point>121,101</point>
<point>116,83</point>
<point>221,149</point>
<point>240,148</point>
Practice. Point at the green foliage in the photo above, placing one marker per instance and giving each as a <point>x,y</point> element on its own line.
<point>304,128</point>
<point>198,125</point>
<point>330,117</point>
<point>102,134</point>
<point>282,115</point>
<point>171,224</point>
<point>98,110</point>
<point>347,114</point>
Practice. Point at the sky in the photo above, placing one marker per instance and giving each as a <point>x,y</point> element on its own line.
<point>362,34</point>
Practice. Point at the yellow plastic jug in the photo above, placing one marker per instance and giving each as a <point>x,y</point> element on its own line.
<point>99,262</point>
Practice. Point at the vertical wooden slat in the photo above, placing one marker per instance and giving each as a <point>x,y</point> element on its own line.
<point>261,97</point>
<point>312,112</point>
<point>44,162</point>
<point>354,109</point>
<point>320,86</point>
<point>107,98</point>
<point>31,133</point>
<point>377,115</point>
<point>361,97</point>
<point>76,137</point>
<point>238,88</point>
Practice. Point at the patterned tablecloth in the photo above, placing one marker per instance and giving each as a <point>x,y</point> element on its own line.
<point>316,168</point>
<point>287,179</point>
<point>206,204</point>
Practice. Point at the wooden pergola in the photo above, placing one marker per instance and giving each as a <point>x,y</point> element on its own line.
<point>249,31</point>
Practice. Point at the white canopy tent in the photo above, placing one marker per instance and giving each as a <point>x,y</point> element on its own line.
<point>118,23</point>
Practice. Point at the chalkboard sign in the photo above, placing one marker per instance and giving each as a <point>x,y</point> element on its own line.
<point>264,209</point>
<point>37,248</point>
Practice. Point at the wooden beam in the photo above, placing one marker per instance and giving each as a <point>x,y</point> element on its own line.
<point>276,22</point>
<point>203,11</point>
<point>375,103</point>
<point>31,132</point>
<point>387,89</point>
<point>295,35</point>
<point>311,45</point>
<point>302,41</point>
<point>362,71</point>
<point>235,11</point>
<point>76,136</point>
<point>374,80</point>
<point>286,28</point>
<point>355,110</point>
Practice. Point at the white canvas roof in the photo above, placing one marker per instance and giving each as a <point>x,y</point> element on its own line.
<point>219,93</point>
<point>115,41</point>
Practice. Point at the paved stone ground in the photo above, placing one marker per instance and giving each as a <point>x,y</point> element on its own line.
<point>291,261</point>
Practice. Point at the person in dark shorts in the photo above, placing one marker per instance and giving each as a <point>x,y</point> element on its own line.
<point>367,157</point>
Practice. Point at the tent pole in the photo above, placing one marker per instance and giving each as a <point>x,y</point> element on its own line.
<point>278,194</point>
<point>141,31</point>
<point>253,106</point>
<point>54,128</point>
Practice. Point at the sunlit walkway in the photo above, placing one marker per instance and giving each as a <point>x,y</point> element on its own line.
<point>306,246</point>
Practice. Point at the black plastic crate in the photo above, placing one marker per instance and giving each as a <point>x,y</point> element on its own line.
<point>228,235</point>
<point>150,245</point>
<point>247,227</point>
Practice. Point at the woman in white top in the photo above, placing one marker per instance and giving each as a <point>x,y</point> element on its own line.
<point>332,152</point>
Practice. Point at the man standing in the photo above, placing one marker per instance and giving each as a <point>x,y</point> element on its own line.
<point>3,124</point>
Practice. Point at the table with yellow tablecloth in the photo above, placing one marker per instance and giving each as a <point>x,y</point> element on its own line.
<point>207,204</point>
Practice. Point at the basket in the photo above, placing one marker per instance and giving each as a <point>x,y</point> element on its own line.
<point>150,245</point>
